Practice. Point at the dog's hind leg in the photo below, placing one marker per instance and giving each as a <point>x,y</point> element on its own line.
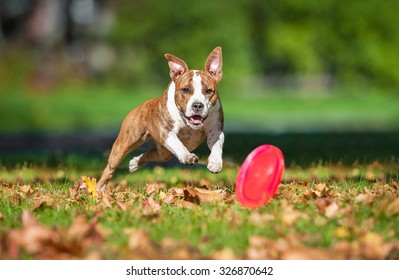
<point>119,150</point>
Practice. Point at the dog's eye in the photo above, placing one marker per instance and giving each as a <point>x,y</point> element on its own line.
<point>185,90</point>
<point>208,91</point>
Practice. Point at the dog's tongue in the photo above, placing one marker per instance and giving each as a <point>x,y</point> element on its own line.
<point>196,120</point>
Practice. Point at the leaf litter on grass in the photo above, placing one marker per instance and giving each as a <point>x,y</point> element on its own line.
<point>331,218</point>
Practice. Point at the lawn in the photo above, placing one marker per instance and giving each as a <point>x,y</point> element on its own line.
<point>322,210</point>
<point>338,198</point>
<point>325,212</point>
<point>97,108</point>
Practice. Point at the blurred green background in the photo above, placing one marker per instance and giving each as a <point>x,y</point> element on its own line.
<point>309,66</point>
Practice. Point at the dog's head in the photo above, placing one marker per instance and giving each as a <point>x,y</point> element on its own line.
<point>195,90</point>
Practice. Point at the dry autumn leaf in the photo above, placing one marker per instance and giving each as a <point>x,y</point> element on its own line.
<point>150,206</point>
<point>54,243</point>
<point>186,204</point>
<point>304,253</point>
<point>393,208</point>
<point>198,195</point>
<point>342,232</point>
<point>26,189</point>
<point>141,244</point>
<point>331,210</point>
<point>372,245</point>
<point>224,254</point>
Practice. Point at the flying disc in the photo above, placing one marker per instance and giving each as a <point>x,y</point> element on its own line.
<point>259,176</point>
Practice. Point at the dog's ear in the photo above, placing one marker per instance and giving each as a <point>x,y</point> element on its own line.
<point>177,66</point>
<point>214,64</point>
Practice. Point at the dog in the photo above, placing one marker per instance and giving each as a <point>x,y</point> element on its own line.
<point>177,122</point>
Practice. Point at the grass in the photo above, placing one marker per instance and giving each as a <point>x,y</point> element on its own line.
<point>94,108</point>
<point>298,215</point>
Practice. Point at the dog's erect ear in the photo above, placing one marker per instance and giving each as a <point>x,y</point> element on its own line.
<point>177,66</point>
<point>214,64</point>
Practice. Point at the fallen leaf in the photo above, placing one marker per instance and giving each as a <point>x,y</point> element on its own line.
<point>224,254</point>
<point>106,200</point>
<point>26,189</point>
<point>177,250</point>
<point>210,196</point>
<point>364,197</point>
<point>186,204</point>
<point>140,244</point>
<point>121,205</point>
<point>393,208</point>
<point>150,188</point>
<point>155,187</point>
<point>162,195</point>
<point>331,210</point>
<point>7,185</point>
<point>320,187</point>
<point>43,201</point>
<point>347,250</point>
<point>191,195</point>
<point>123,183</point>
<point>229,199</point>
<point>169,199</point>
<point>259,219</point>
<point>205,183</point>
<point>261,248</point>
<point>370,175</point>
<point>305,253</point>
<point>324,205</point>
<point>150,206</point>
<point>198,195</point>
<point>90,184</point>
<point>177,192</point>
<point>371,244</point>
<point>32,236</point>
<point>342,232</point>
<point>79,227</point>
<point>289,216</point>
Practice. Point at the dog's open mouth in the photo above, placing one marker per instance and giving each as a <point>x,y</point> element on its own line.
<point>196,120</point>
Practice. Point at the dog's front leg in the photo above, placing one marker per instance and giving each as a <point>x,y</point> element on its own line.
<point>173,144</point>
<point>215,140</point>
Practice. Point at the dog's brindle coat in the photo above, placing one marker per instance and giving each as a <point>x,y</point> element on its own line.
<point>186,114</point>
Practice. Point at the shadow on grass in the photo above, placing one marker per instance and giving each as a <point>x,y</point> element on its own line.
<point>83,150</point>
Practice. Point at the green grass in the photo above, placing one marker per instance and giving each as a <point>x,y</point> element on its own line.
<point>94,107</point>
<point>293,217</point>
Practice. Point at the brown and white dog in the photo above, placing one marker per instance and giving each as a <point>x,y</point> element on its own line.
<point>186,114</point>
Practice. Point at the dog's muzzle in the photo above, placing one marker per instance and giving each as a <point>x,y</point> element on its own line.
<point>197,118</point>
<point>196,115</point>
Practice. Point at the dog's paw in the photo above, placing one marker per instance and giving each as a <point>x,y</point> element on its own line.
<point>189,159</point>
<point>215,164</point>
<point>102,188</point>
<point>134,164</point>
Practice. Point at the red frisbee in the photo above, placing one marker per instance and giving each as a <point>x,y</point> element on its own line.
<point>259,176</point>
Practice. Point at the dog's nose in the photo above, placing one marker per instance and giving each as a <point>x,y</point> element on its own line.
<point>197,107</point>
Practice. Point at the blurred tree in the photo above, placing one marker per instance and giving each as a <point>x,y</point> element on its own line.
<point>353,42</point>
<point>187,29</point>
